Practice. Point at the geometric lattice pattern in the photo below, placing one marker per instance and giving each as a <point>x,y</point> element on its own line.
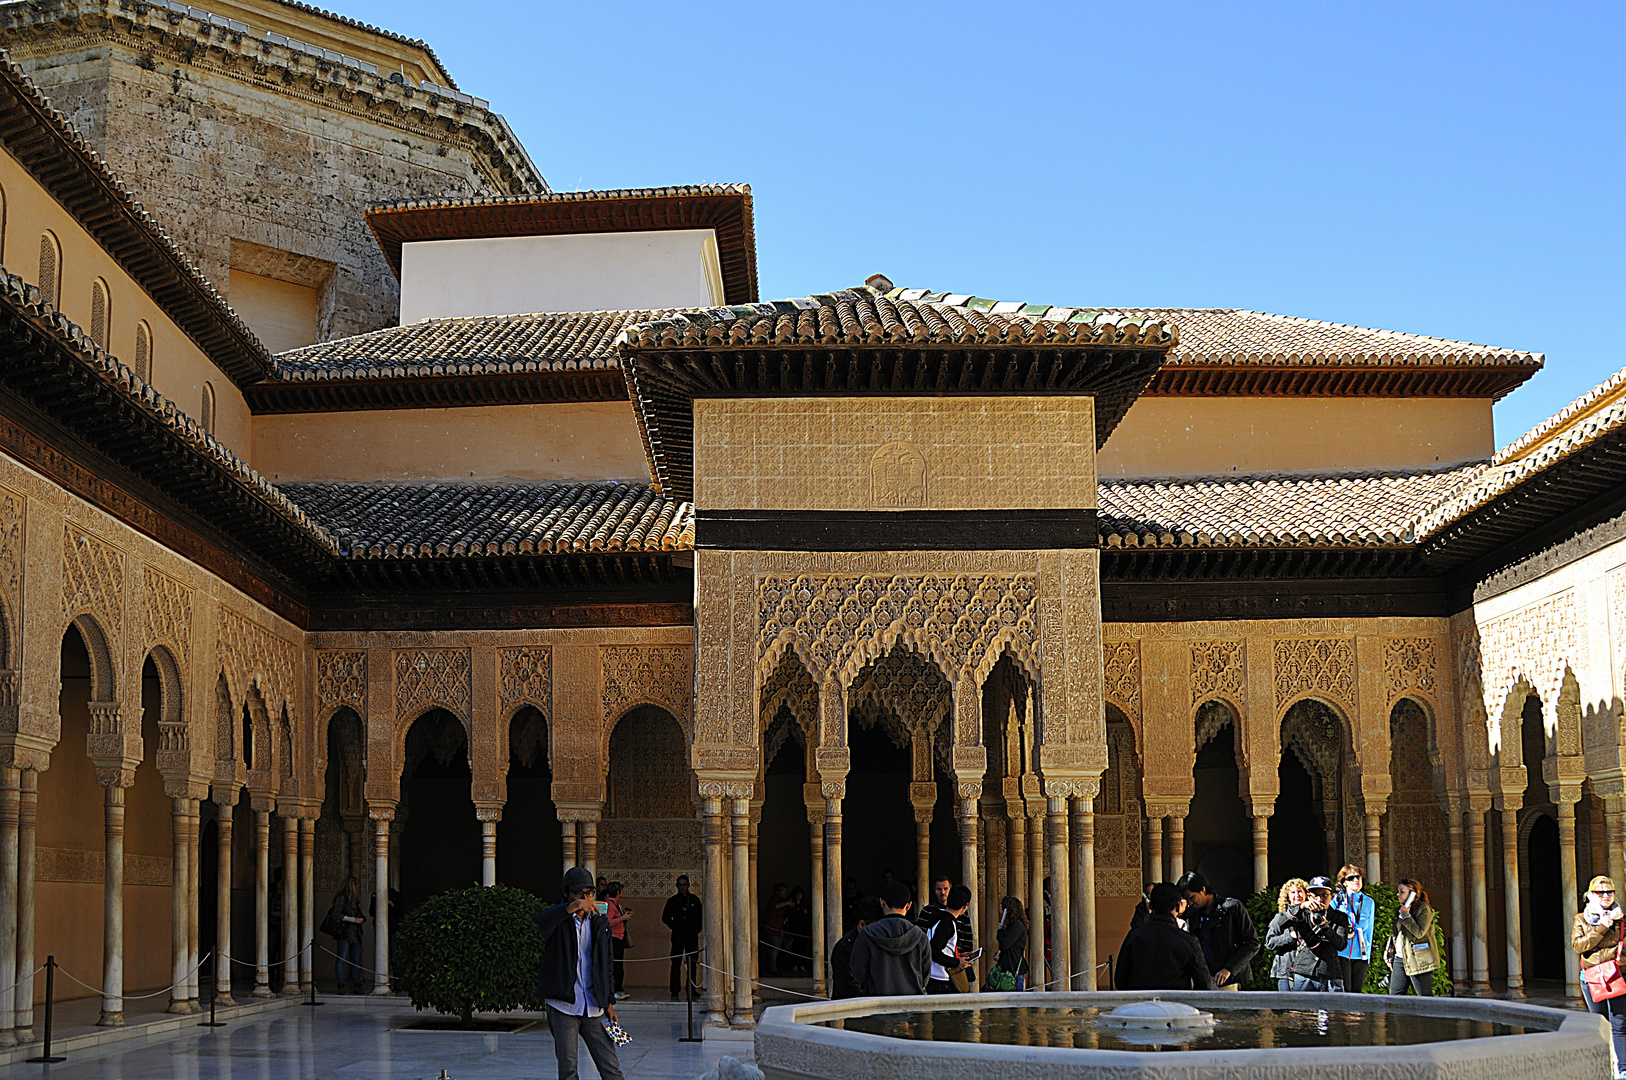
<point>1315,665</point>
<point>432,677</point>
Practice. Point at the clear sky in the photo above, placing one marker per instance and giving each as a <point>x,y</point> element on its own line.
<point>1445,169</point>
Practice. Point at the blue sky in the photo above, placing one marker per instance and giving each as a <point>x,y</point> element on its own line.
<point>1446,169</point>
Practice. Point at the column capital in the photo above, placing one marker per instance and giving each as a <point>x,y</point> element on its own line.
<point>1261,809</point>
<point>717,787</point>
<point>832,762</point>
<point>22,751</point>
<point>1162,809</point>
<point>581,812</point>
<point>488,811</point>
<point>115,775</point>
<point>1509,802</point>
<point>186,786</point>
<point>381,811</point>
<point>262,802</point>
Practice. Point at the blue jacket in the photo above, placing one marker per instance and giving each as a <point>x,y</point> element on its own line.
<point>1360,908</point>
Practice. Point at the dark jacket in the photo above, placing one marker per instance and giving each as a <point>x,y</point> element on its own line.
<point>682,915</point>
<point>1320,934</point>
<point>965,941</point>
<point>349,932</point>
<point>891,956</point>
<point>556,979</point>
<point>842,983</point>
<point>1227,935</point>
<point>1158,955</point>
<point>1013,943</point>
<point>1281,956</point>
<point>946,927</point>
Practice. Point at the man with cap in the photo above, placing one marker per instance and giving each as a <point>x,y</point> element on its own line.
<point>576,979</point>
<point>1313,934</point>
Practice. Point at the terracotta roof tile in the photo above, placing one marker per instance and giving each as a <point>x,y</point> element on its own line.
<point>432,519</point>
<point>1275,511</point>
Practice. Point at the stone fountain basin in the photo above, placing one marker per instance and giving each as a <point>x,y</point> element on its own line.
<point>791,1046</point>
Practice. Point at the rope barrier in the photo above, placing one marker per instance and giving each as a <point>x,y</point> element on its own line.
<point>1074,975</point>
<point>167,989</point>
<point>26,978</point>
<point>765,986</point>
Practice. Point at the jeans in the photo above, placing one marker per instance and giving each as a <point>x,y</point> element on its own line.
<point>349,954</point>
<point>1398,981</point>
<point>1285,983</point>
<point>1354,974</point>
<point>565,1028</point>
<point>685,951</point>
<point>1303,984</point>
<point>1615,1010</point>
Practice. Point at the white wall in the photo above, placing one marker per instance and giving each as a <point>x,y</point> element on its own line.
<point>591,272</point>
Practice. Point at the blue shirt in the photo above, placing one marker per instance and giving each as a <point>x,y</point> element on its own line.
<point>583,1005</point>
<point>1360,908</point>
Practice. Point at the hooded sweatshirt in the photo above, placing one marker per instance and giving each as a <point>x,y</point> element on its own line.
<point>891,956</point>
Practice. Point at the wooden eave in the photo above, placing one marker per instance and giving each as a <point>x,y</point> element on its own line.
<point>39,140</point>
<point>728,214</point>
<point>344,394</point>
<point>1337,380</point>
<point>665,382</point>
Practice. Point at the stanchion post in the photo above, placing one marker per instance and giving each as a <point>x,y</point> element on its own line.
<point>688,993</point>
<point>50,1000</point>
<point>1111,968</point>
<point>310,948</point>
<point>214,977</point>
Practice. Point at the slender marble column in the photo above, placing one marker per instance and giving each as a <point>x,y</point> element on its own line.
<point>307,901</point>
<point>1061,953</point>
<point>832,861</point>
<point>381,894</point>
<point>1036,944</point>
<point>1510,901</point>
<point>1374,848</point>
<point>815,839</point>
<point>1261,845</point>
<point>1083,889</point>
<point>194,898</point>
<point>567,830</point>
<point>27,823</point>
<point>1155,870</point>
<point>262,902</point>
<point>179,924</point>
<point>967,814</point>
<point>223,958</point>
<point>290,905</point>
<point>742,919</point>
<point>754,913</point>
<point>587,836</point>
<point>1016,847</point>
<point>712,831</point>
<point>113,909</point>
<point>1570,887</point>
<point>488,844</point>
<point>1479,919</point>
<point>1177,846</point>
<point>11,797</point>
<point>1459,898</point>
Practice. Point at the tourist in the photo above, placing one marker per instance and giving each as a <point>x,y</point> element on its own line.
<point>948,961</point>
<point>1315,931</point>
<point>1157,954</point>
<point>1596,936</point>
<point>1224,930</point>
<point>891,955</point>
<point>929,918</point>
<point>773,927</point>
<point>1013,943</point>
<point>575,978</point>
<point>842,983</point>
<point>1144,908</point>
<point>1412,954</point>
<point>1293,893</point>
<point>344,921</point>
<point>618,917</point>
<point>799,931</point>
<point>682,916</point>
<point>1356,954</point>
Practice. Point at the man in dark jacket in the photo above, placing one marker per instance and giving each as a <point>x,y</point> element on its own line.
<point>944,936</point>
<point>842,983</point>
<point>892,956</point>
<point>1222,928</point>
<point>682,916</point>
<point>576,979</point>
<point>1157,954</point>
<point>1314,932</point>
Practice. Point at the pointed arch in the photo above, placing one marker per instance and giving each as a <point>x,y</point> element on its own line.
<point>103,681</point>
<point>50,275</point>
<point>171,687</point>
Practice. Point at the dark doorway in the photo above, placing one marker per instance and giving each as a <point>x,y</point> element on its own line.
<point>530,847</point>
<point>440,838</point>
<point>1218,834</point>
<point>1298,844</point>
<point>877,822</point>
<point>1548,919</point>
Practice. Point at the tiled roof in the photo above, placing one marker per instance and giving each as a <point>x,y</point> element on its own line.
<point>345,20</point>
<point>440,519</point>
<point>1597,399</point>
<point>1274,511</point>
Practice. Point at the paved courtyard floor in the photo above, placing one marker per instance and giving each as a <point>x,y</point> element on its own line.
<point>356,1039</point>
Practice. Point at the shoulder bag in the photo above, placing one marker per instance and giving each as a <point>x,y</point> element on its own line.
<point>1605,980</point>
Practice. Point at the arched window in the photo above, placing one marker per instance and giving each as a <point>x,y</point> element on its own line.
<point>143,351</point>
<point>208,411</point>
<point>101,312</point>
<point>50,269</point>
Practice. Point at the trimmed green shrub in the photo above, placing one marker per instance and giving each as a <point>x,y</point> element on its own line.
<point>1262,908</point>
<point>473,950</point>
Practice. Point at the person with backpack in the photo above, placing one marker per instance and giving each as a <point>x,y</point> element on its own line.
<point>945,940</point>
<point>1010,970</point>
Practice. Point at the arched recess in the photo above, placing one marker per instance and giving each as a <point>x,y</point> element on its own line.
<point>530,850</point>
<point>440,837</point>
<point>1543,920</point>
<point>1218,833</point>
<point>1415,831</point>
<point>103,680</point>
<point>148,843</point>
<point>1309,831</point>
<point>342,837</point>
<point>1118,829</point>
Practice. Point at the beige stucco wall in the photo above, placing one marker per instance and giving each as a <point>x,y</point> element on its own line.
<point>179,367</point>
<point>570,441</point>
<point>597,272</point>
<point>1169,436</point>
<point>895,453</point>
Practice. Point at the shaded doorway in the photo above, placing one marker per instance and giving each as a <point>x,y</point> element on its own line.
<point>1548,922</point>
<point>1297,841</point>
<point>530,848</point>
<point>440,837</point>
<point>1218,834</point>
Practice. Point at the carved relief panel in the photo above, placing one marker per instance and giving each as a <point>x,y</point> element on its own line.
<point>647,675</point>
<point>93,580</point>
<point>1409,666</point>
<point>432,678</point>
<point>341,680</point>
<point>1323,666</point>
<point>525,677</point>
<point>169,614</point>
<point>1218,668</point>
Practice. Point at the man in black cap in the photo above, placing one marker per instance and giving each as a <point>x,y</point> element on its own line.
<point>576,979</point>
<point>1313,933</point>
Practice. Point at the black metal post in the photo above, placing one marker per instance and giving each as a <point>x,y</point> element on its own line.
<point>214,977</point>
<point>50,1000</point>
<point>688,987</point>
<point>310,947</point>
<point>1111,967</point>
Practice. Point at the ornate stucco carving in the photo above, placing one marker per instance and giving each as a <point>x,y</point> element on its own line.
<point>1121,676</point>
<point>525,677</point>
<point>248,652</point>
<point>92,579</point>
<point>1409,666</point>
<point>647,675</point>
<point>169,613</point>
<point>1534,645</point>
<point>1321,666</point>
<point>341,680</point>
<point>1219,668</point>
<point>432,678</point>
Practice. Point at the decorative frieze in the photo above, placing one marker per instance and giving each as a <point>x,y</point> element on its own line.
<point>1323,666</point>
<point>90,867</point>
<point>1218,668</point>
<point>525,677</point>
<point>431,678</point>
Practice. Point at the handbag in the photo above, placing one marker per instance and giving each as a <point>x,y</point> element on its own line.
<point>1000,981</point>
<point>1605,980</point>
<point>961,981</point>
<point>331,926</point>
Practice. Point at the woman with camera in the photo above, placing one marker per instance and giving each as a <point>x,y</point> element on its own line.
<point>1314,932</point>
<point>1412,954</point>
<point>1596,936</point>
<point>1294,892</point>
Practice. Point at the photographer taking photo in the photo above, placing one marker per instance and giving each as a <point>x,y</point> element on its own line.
<point>1312,934</point>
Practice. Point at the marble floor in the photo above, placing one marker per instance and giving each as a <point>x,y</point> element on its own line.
<point>357,1040</point>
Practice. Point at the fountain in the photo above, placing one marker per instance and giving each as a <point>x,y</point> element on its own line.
<point>1073,1036</point>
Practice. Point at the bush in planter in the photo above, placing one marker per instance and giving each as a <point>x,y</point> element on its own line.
<point>474,950</point>
<point>1262,908</point>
